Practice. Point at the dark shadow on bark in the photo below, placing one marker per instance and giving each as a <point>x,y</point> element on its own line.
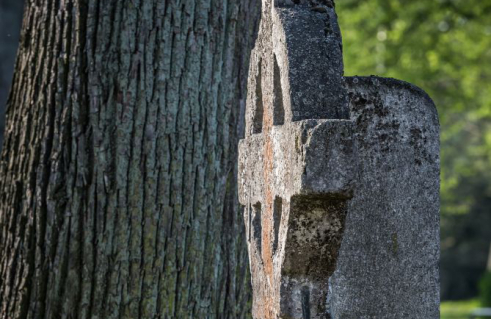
<point>10,23</point>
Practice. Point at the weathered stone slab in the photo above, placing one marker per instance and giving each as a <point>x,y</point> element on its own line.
<point>312,42</point>
<point>388,261</point>
<point>294,219</point>
<point>338,179</point>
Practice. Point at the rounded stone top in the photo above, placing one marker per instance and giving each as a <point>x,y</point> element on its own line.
<point>374,82</point>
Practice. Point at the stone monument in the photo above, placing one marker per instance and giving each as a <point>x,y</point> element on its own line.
<point>338,177</point>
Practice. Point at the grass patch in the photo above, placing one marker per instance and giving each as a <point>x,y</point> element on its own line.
<point>458,309</point>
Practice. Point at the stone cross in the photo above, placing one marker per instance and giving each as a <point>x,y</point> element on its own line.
<point>338,177</point>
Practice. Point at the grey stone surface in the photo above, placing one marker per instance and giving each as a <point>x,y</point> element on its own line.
<point>339,179</point>
<point>388,261</point>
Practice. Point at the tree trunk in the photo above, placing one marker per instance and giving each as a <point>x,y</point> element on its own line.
<point>118,190</point>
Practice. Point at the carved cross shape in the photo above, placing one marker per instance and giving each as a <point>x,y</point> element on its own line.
<point>295,163</point>
<point>338,177</point>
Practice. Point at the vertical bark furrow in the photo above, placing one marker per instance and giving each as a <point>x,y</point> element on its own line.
<point>118,200</point>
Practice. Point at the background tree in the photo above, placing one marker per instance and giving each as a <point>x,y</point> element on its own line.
<point>444,47</point>
<point>10,21</point>
<point>118,191</point>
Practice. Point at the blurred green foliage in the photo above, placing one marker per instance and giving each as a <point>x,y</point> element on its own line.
<point>443,46</point>
<point>485,290</point>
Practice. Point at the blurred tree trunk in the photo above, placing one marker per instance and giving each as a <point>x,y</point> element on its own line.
<point>10,21</point>
<point>117,177</point>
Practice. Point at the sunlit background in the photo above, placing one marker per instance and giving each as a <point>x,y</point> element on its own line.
<point>443,46</point>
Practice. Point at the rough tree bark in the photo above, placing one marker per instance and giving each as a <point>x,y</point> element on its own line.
<point>117,190</point>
